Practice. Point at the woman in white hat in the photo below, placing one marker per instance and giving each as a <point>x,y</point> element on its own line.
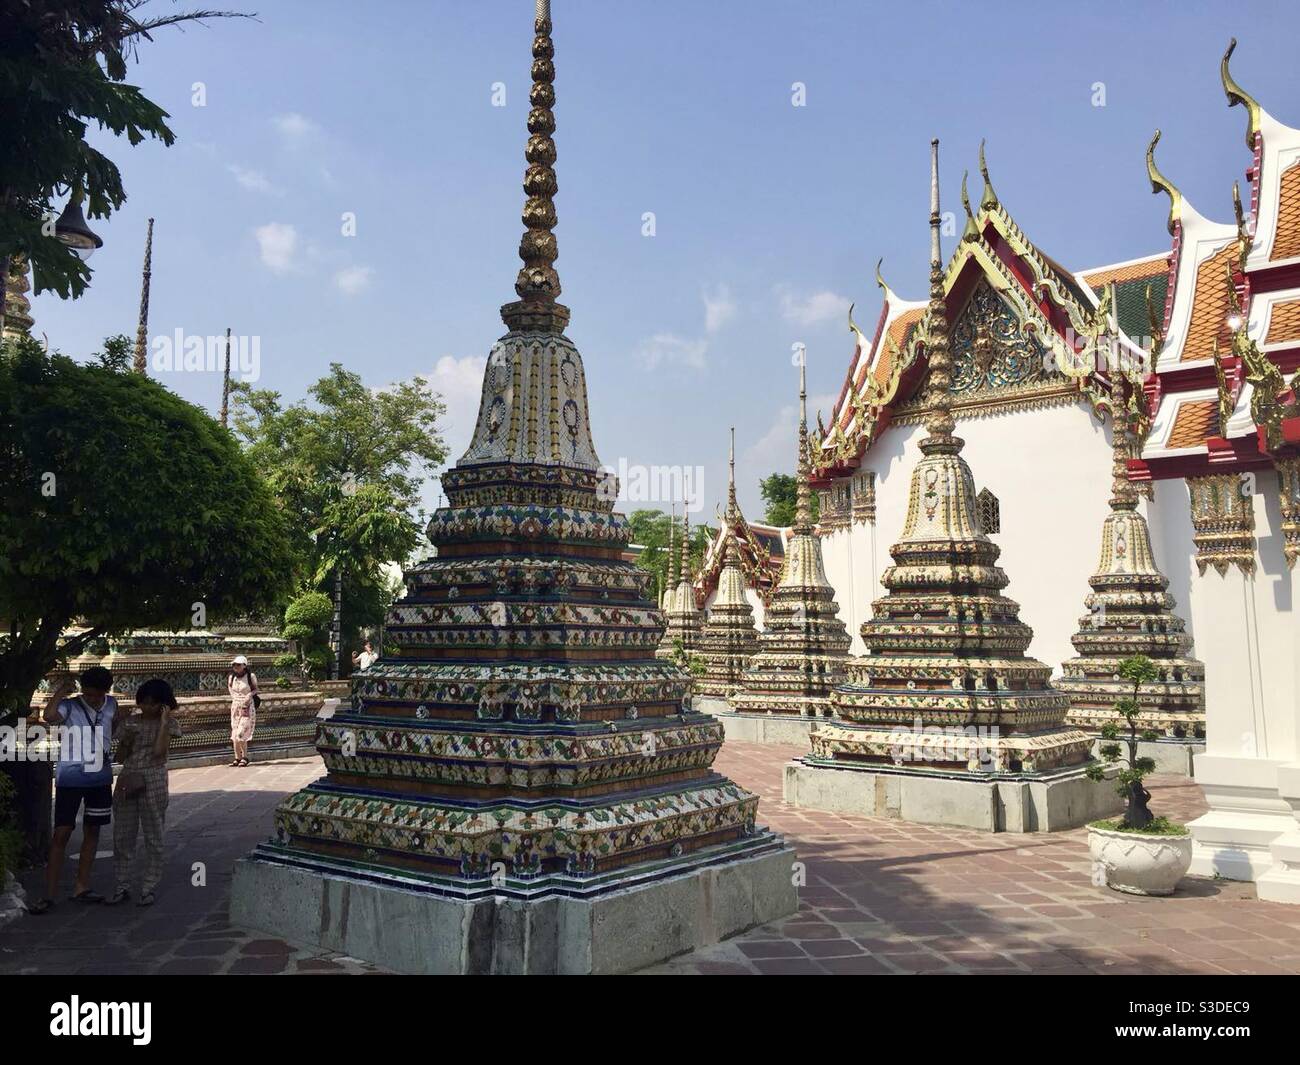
<point>242,685</point>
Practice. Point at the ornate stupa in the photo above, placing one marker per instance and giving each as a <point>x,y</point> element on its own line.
<point>683,618</point>
<point>804,645</point>
<point>18,320</point>
<point>729,639</point>
<point>1130,612</point>
<point>945,693</point>
<point>521,785</point>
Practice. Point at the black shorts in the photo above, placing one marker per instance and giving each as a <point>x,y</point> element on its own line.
<point>98,800</point>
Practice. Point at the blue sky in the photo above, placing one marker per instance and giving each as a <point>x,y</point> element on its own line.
<point>769,218</point>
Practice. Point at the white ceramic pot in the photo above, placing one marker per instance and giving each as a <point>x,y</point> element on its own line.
<point>1140,863</point>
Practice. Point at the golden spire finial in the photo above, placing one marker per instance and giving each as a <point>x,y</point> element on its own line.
<point>141,363</point>
<point>972,231</point>
<point>988,198</point>
<point>538,283</point>
<point>803,497</point>
<point>1160,183</point>
<point>672,545</point>
<point>1237,95</point>
<point>939,421</point>
<point>686,545</point>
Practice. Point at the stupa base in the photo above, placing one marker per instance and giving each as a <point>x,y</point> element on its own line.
<point>757,728</point>
<point>618,925</point>
<point>1170,754</point>
<point>992,802</point>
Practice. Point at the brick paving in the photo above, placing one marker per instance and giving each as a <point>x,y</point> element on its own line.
<point>880,897</point>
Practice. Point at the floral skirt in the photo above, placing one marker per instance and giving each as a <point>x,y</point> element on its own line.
<point>243,719</point>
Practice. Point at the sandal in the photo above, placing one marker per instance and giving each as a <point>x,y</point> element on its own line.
<point>147,899</point>
<point>88,896</point>
<point>232,765</point>
<point>120,895</point>
<point>242,763</point>
<point>41,907</point>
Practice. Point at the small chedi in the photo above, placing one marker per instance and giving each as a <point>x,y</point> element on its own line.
<point>520,786</point>
<point>945,719</point>
<point>681,636</point>
<point>804,644</point>
<point>729,639</point>
<point>1130,612</point>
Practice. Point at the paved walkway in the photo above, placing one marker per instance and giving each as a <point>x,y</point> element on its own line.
<point>881,897</point>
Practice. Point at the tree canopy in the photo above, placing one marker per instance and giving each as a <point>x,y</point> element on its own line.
<point>63,68</point>
<point>650,529</point>
<point>348,464</point>
<point>780,492</point>
<point>124,507</point>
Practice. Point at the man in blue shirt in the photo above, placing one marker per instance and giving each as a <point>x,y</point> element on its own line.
<point>84,775</point>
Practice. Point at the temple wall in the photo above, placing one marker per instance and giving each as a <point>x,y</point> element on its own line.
<point>1050,470</point>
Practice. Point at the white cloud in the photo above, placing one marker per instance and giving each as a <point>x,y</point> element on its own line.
<point>253,180</point>
<point>776,450</point>
<point>294,126</point>
<point>460,381</point>
<point>277,243</point>
<point>352,279</point>
<point>811,309</point>
<point>719,309</point>
<point>672,349</point>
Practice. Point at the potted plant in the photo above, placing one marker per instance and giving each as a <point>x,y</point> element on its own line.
<point>1140,853</point>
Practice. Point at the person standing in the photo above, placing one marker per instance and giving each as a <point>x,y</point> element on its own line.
<point>365,658</point>
<point>242,685</point>
<point>83,776</point>
<point>140,800</point>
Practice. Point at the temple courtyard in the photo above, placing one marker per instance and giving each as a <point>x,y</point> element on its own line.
<point>881,897</point>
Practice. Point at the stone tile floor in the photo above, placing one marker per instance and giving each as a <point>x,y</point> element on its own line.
<point>880,897</point>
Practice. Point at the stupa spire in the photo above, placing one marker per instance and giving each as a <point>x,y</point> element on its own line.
<point>803,496</point>
<point>538,283</point>
<point>733,507</point>
<point>939,421</point>
<point>141,364</point>
<point>225,385</point>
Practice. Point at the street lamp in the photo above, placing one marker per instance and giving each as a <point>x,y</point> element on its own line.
<point>73,232</point>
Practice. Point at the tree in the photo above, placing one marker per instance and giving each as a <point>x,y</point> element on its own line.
<point>116,355</point>
<point>1137,670</point>
<point>63,66</point>
<point>348,466</point>
<point>651,530</point>
<point>124,507</point>
<point>306,621</point>
<point>781,493</point>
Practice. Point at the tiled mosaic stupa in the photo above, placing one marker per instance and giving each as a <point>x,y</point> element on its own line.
<point>804,645</point>
<point>1130,612</point>
<point>683,618</point>
<point>522,786</point>
<point>945,691</point>
<point>729,639</point>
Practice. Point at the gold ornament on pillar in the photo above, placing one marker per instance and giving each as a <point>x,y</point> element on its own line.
<point>1223,522</point>
<point>1288,490</point>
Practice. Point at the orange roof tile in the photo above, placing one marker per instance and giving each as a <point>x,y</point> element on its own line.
<point>1210,307</point>
<point>1286,239</point>
<point>1284,322</point>
<point>1194,421</point>
<point>1132,272</point>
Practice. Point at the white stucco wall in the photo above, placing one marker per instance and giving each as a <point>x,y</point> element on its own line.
<point>1050,470</point>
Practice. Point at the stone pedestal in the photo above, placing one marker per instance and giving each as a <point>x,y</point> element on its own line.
<point>782,729</point>
<point>994,802</point>
<point>423,928</point>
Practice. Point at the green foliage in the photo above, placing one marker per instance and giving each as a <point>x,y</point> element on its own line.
<point>1137,670</point>
<point>288,660</point>
<point>123,506</point>
<point>780,492</point>
<point>348,465</point>
<point>651,529</point>
<point>117,354</point>
<point>63,66</point>
<point>306,622</point>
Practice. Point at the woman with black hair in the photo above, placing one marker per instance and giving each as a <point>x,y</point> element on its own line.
<point>140,800</point>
